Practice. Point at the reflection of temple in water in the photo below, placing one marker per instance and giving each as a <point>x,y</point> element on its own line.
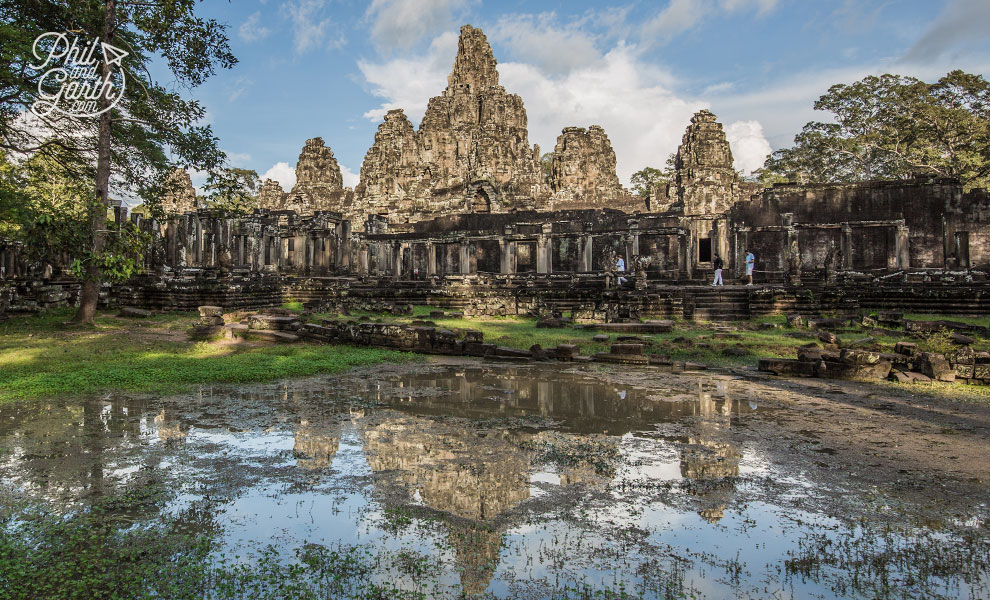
<point>315,445</point>
<point>707,458</point>
<point>473,475</point>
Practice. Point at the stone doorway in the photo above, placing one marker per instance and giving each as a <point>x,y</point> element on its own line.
<point>481,197</point>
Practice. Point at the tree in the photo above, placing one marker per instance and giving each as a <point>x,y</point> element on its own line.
<point>135,144</point>
<point>648,180</point>
<point>43,207</point>
<point>894,127</point>
<point>232,191</point>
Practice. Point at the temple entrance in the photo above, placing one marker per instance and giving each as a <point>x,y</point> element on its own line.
<point>481,197</point>
<point>481,202</point>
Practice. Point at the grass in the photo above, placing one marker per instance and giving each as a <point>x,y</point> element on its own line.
<point>42,358</point>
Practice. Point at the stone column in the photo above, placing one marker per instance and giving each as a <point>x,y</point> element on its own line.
<point>902,247</point>
<point>683,251</point>
<point>431,259</point>
<point>544,251</point>
<point>847,246</point>
<point>398,250</point>
<point>363,259</point>
<point>792,256</point>
<point>465,257</point>
<point>587,255</point>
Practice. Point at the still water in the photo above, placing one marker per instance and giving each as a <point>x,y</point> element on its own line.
<point>517,481</point>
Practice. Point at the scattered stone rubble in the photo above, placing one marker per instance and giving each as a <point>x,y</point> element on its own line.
<point>862,359</point>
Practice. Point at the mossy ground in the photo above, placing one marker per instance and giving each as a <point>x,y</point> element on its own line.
<point>42,357</point>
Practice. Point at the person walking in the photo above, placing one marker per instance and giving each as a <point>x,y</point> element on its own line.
<point>717,264</point>
<point>750,263</point>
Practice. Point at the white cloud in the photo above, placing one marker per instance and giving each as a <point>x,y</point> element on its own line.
<point>282,173</point>
<point>238,158</point>
<point>962,21</point>
<point>237,87</point>
<point>681,15</point>
<point>749,146</point>
<point>309,28</point>
<point>643,118</point>
<point>351,179</point>
<point>410,81</point>
<point>252,30</point>
<point>402,23</point>
<point>542,42</point>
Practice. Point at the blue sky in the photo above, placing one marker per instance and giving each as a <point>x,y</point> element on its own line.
<point>331,68</point>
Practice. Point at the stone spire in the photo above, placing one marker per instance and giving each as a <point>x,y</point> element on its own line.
<point>180,195</point>
<point>475,66</point>
<point>706,180</point>
<point>471,152</point>
<point>271,196</point>
<point>583,171</point>
<point>318,178</point>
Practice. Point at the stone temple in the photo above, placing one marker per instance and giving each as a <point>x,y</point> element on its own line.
<point>461,212</point>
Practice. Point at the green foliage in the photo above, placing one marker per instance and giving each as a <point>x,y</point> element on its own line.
<point>232,191</point>
<point>938,341</point>
<point>893,127</point>
<point>41,360</point>
<point>97,554</point>
<point>649,180</point>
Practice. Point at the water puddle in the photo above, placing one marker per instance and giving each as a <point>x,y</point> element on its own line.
<point>515,480</point>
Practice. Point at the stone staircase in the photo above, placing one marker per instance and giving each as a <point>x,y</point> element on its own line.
<point>716,304</point>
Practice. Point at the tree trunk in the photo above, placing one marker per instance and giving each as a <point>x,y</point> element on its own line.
<point>89,295</point>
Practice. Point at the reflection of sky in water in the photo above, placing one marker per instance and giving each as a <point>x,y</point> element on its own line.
<point>294,467</point>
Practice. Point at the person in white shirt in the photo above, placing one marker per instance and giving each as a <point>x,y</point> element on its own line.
<point>620,267</point>
<point>750,263</point>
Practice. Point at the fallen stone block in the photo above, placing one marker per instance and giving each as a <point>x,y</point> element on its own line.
<point>565,352</point>
<point>210,311</point>
<point>537,352</point>
<point>906,348</point>
<point>601,338</point>
<point>891,318</point>
<point>135,313</point>
<point>210,321</point>
<point>822,323</point>
<point>828,337</point>
<point>787,367</point>
<point>472,336</point>
<point>853,370</point>
<point>795,320</point>
<point>437,314</point>
<point>506,352</point>
<point>935,366</point>
<point>962,340</point>
<point>274,323</point>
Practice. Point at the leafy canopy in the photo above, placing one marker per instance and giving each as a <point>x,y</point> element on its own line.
<point>893,127</point>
